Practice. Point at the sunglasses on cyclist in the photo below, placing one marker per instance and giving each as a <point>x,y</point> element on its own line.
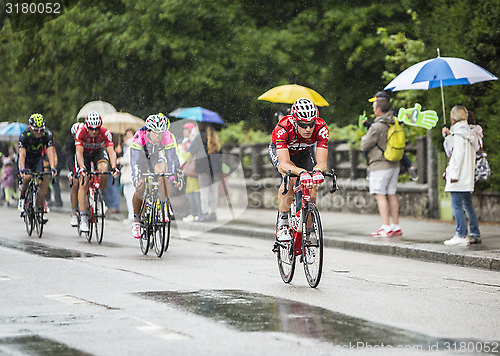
<point>37,129</point>
<point>93,128</point>
<point>305,125</point>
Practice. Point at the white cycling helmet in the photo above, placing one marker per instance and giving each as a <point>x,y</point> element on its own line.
<point>76,126</point>
<point>156,123</point>
<point>93,120</point>
<point>304,110</point>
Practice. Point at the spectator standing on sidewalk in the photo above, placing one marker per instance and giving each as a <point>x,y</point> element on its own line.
<point>459,145</point>
<point>126,173</point>
<point>8,182</point>
<point>383,174</point>
<point>190,131</point>
<point>206,150</point>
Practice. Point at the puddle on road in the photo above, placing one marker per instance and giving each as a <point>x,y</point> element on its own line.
<point>36,345</point>
<point>37,248</point>
<point>252,312</point>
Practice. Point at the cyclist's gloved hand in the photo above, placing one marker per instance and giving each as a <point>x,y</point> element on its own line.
<point>82,171</point>
<point>305,178</point>
<point>115,171</point>
<point>171,179</point>
<point>70,175</point>
<point>318,177</point>
<point>54,172</point>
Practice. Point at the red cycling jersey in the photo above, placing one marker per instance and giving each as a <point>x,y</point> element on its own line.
<point>92,145</point>
<point>286,136</point>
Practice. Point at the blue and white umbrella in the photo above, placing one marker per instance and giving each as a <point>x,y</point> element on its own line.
<point>198,114</point>
<point>438,73</point>
<point>12,131</point>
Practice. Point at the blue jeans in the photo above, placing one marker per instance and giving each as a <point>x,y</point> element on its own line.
<point>112,194</point>
<point>461,204</point>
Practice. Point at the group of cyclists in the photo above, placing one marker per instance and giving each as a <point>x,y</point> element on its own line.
<point>153,149</point>
<point>299,145</point>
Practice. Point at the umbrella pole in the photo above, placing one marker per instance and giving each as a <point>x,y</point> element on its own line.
<point>442,101</point>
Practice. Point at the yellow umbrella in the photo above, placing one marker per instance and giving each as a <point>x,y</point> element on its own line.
<point>118,122</point>
<point>289,93</point>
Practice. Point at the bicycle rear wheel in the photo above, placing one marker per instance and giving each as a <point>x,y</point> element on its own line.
<point>168,208</point>
<point>28,213</point>
<point>98,215</point>
<point>285,255</point>
<point>38,211</point>
<point>312,246</point>
<point>158,226</point>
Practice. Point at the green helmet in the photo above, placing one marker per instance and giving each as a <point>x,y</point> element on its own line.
<point>37,120</point>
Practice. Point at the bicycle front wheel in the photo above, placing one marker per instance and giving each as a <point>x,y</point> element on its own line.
<point>145,228</point>
<point>158,226</point>
<point>98,215</point>
<point>285,255</point>
<point>312,246</point>
<point>168,208</point>
<point>38,211</point>
<point>29,213</point>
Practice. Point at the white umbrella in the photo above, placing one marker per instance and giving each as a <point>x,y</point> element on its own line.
<point>438,73</point>
<point>99,106</point>
<point>118,122</point>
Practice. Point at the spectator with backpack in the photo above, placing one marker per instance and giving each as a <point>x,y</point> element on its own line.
<point>383,143</point>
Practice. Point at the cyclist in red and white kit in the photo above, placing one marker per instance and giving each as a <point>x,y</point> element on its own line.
<point>93,144</point>
<point>292,149</point>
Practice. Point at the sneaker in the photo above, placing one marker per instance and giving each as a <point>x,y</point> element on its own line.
<point>456,240</point>
<point>46,209</point>
<point>84,223</point>
<point>20,205</point>
<point>74,221</point>
<point>474,240</point>
<point>136,230</point>
<point>283,234</point>
<point>45,218</point>
<point>382,233</point>
<point>395,233</point>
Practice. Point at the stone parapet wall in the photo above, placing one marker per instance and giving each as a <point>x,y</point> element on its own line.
<point>353,196</point>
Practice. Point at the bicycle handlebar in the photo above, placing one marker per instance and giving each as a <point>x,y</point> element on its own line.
<point>151,174</point>
<point>29,172</point>
<point>331,174</point>
<point>94,173</point>
<point>178,176</point>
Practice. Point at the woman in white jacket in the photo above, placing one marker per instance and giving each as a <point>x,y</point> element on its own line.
<point>459,145</point>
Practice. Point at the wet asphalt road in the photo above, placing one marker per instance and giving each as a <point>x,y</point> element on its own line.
<point>219,294</point>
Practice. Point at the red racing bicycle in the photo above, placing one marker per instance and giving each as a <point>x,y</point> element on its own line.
<point>306,232</point>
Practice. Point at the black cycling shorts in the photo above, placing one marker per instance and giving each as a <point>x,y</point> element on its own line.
<point>36,164</point>
<point>94,157</point>
<point>305,159</point>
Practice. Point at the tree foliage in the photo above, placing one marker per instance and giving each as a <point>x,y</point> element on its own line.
<point>153,56</point>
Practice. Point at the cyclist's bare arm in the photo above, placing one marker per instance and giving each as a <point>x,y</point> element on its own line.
<point>51,154</point>
<point>79,156</point>
<point>22,158</point>
<point>321,158</point>
<point>112,156</point>
<point>285,164</point>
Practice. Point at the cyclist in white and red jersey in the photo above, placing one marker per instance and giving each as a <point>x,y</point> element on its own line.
<point>93,144</point>
<point>153,149</point>
<point>292,149</point>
